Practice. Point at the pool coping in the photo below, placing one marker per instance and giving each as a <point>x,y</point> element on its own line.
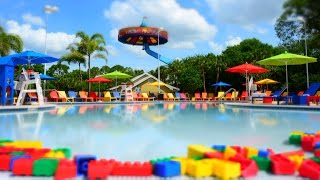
<point>4,109</point>
<point>273,106</point>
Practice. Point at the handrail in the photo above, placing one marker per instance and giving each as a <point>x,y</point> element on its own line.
<point>228,91</point>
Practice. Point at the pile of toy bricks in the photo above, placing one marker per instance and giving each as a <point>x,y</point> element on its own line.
<point>29,158</point>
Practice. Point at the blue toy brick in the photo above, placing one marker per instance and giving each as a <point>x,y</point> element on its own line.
<point>167,168</point>
<point>82,162</point>
<point>13,158</point>
<point>220,148</point>
<point>317,145</point>
<point>263,153</point>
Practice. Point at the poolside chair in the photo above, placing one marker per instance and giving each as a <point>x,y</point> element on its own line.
<point>244,95</point>
<point>177,95</point>
<point>63,95</point>
<point>136,97</point>
<point>107,96</point>
<point>32,96</point>
<point>55,97</point>
<point>171,97</point>
<point>219,96</point>
<point>227,96</point>
<point>204,96</point>
<point>210,96</point>
<point>183,96</point>
<point>95,97</point>
<point>197,96</point>
<point>73,94</point>
<point>84,96</point>
<point>146,97</point>
<point>116,95</point>
<point>234,96</point>
<point>165,97</point>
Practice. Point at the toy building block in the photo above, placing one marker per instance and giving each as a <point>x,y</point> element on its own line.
<point>65,151</point>
<point>66,170</point>
<point>297,160</point>
<point>282,165</point>
<point>17,153</point>
<point>250,151</point>
<point>226,169</point>
<point>45,167</point>
<point>229,152</point>
<point>132,169</point>
<point>198,150</point>
<point>316,153</point>
<point>317,145</point>
<point>308,142</point>
<point>292,153</point>
<point>183,164</point>
<point>202,168</point>
<point>99,168</point>
<point>55,154</point>
<point>7,149</point>
<point>315,159</point>
<point>310,169</point>
<point>249,168</point>
<point>167,168</point>
<point>82,162</point>
<point>263,153</point>
<point>5,162</point>
<point>5,140</point>
<point>27,144</point>
<point>153,161</point>
<point>211,155</point>
<point>14,158</point>
<point>23,167</point>
<point>295,139</point>
<point>237,148</point>
<point>220,148</point>
<point>262,162</point>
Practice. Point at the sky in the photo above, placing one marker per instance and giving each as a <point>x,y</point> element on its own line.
<point>194,26</point>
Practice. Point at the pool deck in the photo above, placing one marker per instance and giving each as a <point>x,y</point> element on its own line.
<point>273,106</point>
<point>27,107</point>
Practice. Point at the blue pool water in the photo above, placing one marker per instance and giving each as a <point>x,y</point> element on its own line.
<point>147,131</point>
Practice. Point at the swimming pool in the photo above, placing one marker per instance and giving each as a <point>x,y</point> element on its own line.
<point>148,131</point>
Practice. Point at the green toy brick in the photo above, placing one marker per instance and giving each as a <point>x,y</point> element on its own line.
<point>315,159</point>
<point>197,157</point>
<point>45,167</point>
<point>153,161</point>
<point>66,152</point>
<point>5,140</point>
<point>295,139</point>
<point>262,162</point>
<point>17,153</point>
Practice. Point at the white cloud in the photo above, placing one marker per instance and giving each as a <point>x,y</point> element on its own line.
<point>34,39</point>
<point>254,28</point>
<point>216,48</point>
<point>185,26</point>
<point>232,41</point>
<point>112,50</point>
<point>34,20</point>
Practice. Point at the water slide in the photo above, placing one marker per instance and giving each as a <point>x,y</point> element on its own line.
<point>156,55</point>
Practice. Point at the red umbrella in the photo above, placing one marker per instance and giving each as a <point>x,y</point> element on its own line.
<point>247,68</point>
<point>99,80</point>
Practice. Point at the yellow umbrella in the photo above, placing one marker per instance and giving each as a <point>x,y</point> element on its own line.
<point>267,81</point>
<point>156,83</point>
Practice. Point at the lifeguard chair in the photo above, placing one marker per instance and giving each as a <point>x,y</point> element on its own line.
<point>23,84</point>
<point>126,92</point>
<point>6,81</point>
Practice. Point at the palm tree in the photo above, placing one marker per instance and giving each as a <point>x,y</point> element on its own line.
<point>93,46</point>
<point>9,42</point>
<point>74,57</point>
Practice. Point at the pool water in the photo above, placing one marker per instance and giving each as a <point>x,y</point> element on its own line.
<point>147,131</point>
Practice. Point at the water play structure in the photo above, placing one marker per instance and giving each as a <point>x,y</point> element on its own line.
<point>145,36</point>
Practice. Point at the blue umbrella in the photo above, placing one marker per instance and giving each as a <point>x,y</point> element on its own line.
<point>44,77</point>
<point>31,57</point>
<point>220,84</point>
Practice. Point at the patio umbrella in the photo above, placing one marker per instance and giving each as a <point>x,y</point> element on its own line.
<point>116,75</point>
<point>247,69</point>
<point>31,57</point>
<point>44,77</point>
<point>220,84</point>
<point>266,82</point>
<point>99,80</point>
<point>286,59</point>
<point>156,83</point>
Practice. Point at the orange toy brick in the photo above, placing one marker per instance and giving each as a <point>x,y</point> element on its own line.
<point>132,169</point>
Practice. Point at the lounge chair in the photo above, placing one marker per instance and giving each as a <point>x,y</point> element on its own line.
<point>210,96</point>
<point>244,95</point>
<point>136,97</point>
<point>171,97</point>
<point>107,96</point>
<point>183,96</point>
<point>63,95</point>
<point>84,96</point>
<point>95,97</point>
<point>146,97</point>
<point>55,97</point>
<point>32,96</point>
<point>219,96</point>
<point>73,94</point>
<point>227,96</point>
<point>197,96</point>
<point>177,95</point>
<point>204,96</point>
<point>116,95</point>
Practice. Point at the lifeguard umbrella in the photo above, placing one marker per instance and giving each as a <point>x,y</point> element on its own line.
<point>286,59</point>
<point>98,80</point>
<point>247,69</point>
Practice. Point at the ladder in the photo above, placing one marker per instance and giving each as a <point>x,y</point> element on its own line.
<point>126,91</point>
<point>24,83</point>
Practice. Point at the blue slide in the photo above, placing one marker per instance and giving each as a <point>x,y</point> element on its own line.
<point>155,55</point>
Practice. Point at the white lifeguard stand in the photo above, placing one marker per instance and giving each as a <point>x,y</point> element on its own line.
<point>23,84</point>
<point>126,92</point>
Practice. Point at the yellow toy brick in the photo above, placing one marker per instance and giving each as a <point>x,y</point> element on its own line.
<point>297,133</point>
<point>226,169</point>
<point>55,154</point>
<point>229,152</point>
<point>251,151</point>
<point>199,168</point>
<point>198,150</point>
<point>297,160</point>
<point>183,163</point>
<point>26,144</point>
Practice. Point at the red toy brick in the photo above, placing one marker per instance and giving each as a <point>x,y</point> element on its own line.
<point>23,167</point>
<point>271,152</point>
<point>292,153</point>
<point>66,170</point>
<point>310,169</point>
<point>100,168</point>
<point>317,153</point>
<point>5,162</point>
<point>282,165</point>
<point>249,168</point>
<point>132,169</point>
<point>217,155</point>
<point>237,148</point>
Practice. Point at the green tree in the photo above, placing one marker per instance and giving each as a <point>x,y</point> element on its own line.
<point>9,42</point>
<point>74,56</point>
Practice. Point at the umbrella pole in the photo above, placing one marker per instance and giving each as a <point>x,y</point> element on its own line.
<point>287,80</point>
<point>99,90</point>
<point>247,84</point>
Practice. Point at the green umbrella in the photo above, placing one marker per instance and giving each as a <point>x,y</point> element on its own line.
<point>116,75</point>
<point>286,59</point>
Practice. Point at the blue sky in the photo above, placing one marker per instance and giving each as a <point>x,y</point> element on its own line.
<point>194,26</point>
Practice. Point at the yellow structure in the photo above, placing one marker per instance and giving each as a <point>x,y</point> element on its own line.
<point>297,160</point>
<point>24,144</point>
<point>55,154</point>
<point>229,152</point>
<point>198,150</point>
<point>201,168</point>
<point>251,151</point>
<point>183,164</point>
<point>225,169</point>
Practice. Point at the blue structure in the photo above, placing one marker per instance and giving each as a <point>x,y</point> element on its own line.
<point>6,81</point>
